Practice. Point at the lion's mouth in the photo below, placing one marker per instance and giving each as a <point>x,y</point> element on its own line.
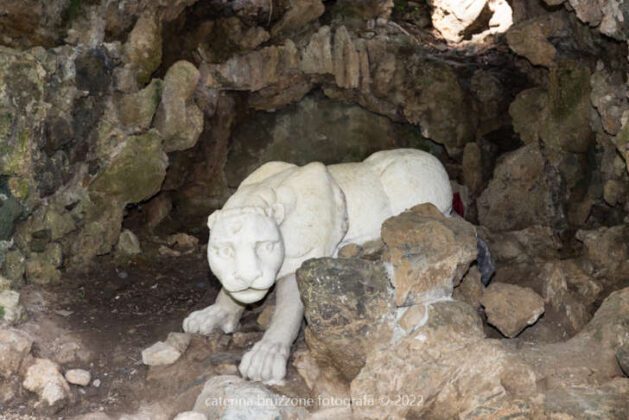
<point>249,295</point>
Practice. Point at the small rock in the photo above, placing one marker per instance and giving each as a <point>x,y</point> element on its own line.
<point>5,283</point>
<point>321,381</point>
<point>136,110</point>
<point>190,415</point>
<point>67,350</point>
<point>128,243</point>
<point>143,49</point>
<point>15,345</point>
<point>167,252</point>
<point>622,355</point>
<point>608,249</point>
<point>350,251</point>
<point>44,378</point>
<point>372,250</point>
<point>9,389</point>
<point>511,308</point>
<point>226,369</point>
<point>178,118</point>
<point>160,354</point>
<point>530,38</point>
<point>157,209</point>
<point>78,377</point>
<point>10,309</point>
<point>569,291</point>
<point>182,242</point>
<point>245,339</point>
<point>14,266</point>
<point>96,383</point>
<point>41,272</point>
<point>179,341</point>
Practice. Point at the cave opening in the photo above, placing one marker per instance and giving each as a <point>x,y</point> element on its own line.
<point>124,125</point>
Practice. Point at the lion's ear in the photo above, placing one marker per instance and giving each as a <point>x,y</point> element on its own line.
<point>212,219</point>
<point>277,212</point>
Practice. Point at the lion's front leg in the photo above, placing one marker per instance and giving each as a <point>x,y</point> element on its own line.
<point>225,314</point>
<point>266,361</point>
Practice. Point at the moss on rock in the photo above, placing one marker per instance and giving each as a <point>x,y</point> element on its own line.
<point>567,123</point>
<point>136,172</point>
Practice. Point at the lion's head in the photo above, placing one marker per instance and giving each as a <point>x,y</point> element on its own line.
<point>246,250</point>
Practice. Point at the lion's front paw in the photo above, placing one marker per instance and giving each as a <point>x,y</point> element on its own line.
<point>210,318</point>
<point>266,362</point>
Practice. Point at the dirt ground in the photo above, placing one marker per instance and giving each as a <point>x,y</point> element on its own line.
<point>113,311</point>
<point>101,320</point>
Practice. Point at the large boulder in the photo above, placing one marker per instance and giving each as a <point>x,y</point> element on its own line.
<point>444,369</point>
<point>346,304</point>
<point>429,253</point>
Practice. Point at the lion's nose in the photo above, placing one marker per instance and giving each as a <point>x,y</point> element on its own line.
<point>247,278</point>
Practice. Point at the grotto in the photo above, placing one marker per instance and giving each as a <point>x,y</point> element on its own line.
<point>128,127</point>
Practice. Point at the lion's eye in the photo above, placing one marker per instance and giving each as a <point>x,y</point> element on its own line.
<point>265,246</point>
<point>224,251</point>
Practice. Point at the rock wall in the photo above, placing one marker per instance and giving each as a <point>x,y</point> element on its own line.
<point>168,105</point>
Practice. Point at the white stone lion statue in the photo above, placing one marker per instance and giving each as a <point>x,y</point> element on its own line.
<point>282,215</point>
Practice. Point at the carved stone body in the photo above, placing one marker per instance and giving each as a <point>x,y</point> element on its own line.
<point>282,215</point>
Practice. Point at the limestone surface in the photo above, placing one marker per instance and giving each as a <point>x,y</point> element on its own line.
<point>430,253</point>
